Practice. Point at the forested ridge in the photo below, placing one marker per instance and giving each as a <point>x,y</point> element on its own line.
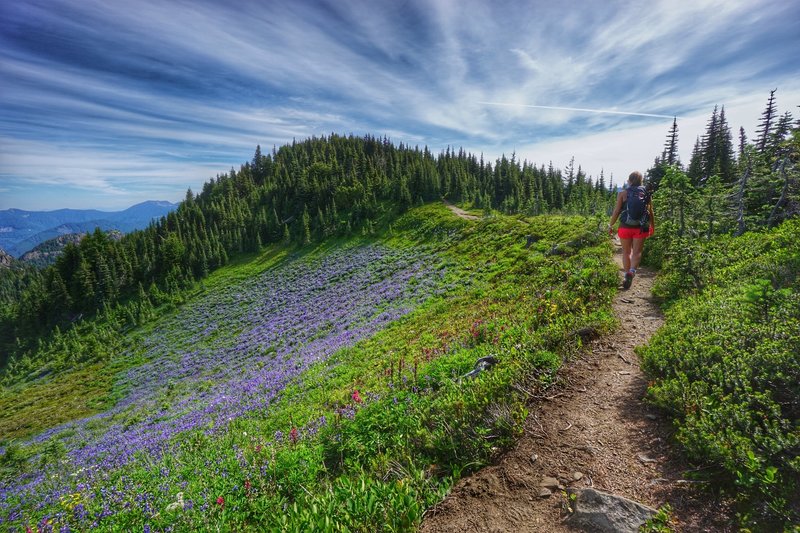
<point>304,191</point>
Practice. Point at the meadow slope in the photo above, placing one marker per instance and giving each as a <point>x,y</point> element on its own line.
<point>315,387</point>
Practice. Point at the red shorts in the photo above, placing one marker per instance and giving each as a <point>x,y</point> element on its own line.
<point>634,233</point>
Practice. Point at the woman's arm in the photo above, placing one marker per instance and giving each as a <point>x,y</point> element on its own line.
<point>617,209</point>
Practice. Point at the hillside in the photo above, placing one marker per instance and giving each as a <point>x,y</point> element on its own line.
<point>331,378</point>
<point>6,260</point>
<point>300,193</point>
<point>21,231</point>
<point>46,253</point>
<point>293,374</point>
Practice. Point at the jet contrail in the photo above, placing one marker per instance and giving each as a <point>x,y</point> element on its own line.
<point>608,111</point>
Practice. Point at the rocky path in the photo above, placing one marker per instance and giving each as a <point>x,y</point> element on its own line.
<point>594,430</point>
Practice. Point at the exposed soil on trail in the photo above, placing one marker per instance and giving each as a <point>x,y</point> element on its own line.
<point>592,430</point>
<point>460,212</point>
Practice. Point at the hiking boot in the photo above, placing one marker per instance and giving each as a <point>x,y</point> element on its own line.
<point>628,280</point>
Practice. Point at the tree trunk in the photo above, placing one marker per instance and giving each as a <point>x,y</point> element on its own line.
<point>710,210</point>
<point>740,201</point>
<point>783,193</point>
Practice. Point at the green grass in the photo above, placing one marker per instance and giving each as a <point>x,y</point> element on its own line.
<point>47,403</point>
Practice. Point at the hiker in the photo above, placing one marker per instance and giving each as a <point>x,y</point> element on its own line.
<point>636,223</point>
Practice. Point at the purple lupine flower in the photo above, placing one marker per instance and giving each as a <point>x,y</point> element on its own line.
<point>229,356</point>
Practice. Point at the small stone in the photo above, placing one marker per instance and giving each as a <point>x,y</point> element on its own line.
<point>651,416</point>
<point>576,476</point>
<point>534,457</point>
<point>549,483</point>
<point>645,459</point>
<point>545,492</point>
<point>624,373</point>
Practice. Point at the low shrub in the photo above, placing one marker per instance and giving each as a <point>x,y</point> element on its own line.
<point>726,367</point>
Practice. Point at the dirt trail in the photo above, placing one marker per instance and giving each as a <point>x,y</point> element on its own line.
<point>595,424</point>
<point>460,212</point>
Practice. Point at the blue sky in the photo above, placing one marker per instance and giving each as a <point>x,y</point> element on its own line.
<point>105,103</point>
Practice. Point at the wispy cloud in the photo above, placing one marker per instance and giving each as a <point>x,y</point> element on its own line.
<point>148,95</point>
<point>580,110</point>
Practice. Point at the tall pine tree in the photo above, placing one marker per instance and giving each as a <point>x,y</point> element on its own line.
<point>766,124</point>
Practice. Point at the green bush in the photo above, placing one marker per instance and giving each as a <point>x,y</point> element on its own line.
<point>726,366</point>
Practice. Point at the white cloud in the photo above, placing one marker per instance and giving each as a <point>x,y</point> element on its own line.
<point>95,171</point>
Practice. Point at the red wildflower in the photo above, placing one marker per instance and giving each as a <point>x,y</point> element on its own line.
<point>293,435</point>
<point>221,501</point>
<point>356,397</point>
<point>476,329</point>
<point>247,485</point>
<point>258,448</point>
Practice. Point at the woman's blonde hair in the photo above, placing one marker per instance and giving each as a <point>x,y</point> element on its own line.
<point>635,178</point>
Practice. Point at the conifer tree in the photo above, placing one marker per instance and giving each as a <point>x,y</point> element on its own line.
<point>83,291</point>
<point>257,165</point>
<point>487,205</point>
<point>709,146</point>
<point>656,172</point>
<point>670,154</point>
<point>570,181</point>
<point>58,296</point>
<point>724,151</point>
<point>305,227</point>
<point>766,124</point>
<point>779,135</point>
<point>106,290</point>
<point>742,142</point>
<point>695,170</point>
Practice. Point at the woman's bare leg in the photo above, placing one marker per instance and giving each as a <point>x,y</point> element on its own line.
<point>636,255</point>
<point>626,252</point>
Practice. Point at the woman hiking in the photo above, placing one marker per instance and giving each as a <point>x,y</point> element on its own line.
<point>635,213</point>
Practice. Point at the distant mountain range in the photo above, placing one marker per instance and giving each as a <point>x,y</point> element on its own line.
<point>21,231</point>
